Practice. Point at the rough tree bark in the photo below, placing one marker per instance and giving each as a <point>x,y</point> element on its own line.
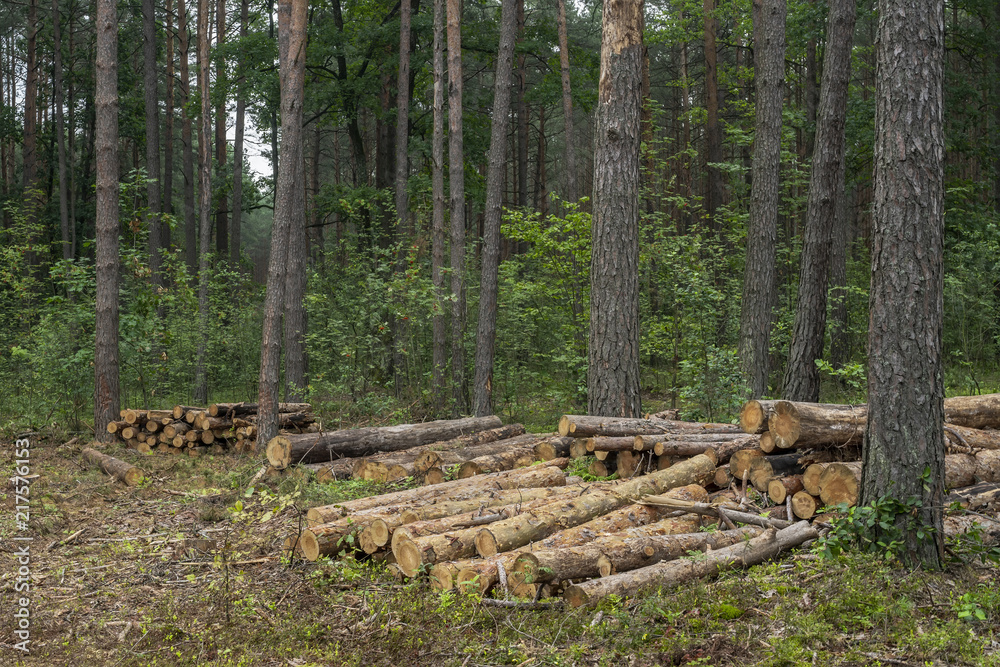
<point>762,229</point>
<point>904,441</point>
<point>221,213</point>
<point>168,129</point>
<point>437,217</point>
<point>187,143</point>
<point>291,55</point>
<point>826,186</point>
<point>613,365</point>
<point>67,246</point>
<point>456,182</point>
<point>106,262</point>
<point>713,130</point>
<point>487,326</point>
<point>567,99</point>
<point>236,229</point>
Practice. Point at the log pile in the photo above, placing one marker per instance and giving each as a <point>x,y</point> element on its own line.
<point>194,431</point>
<point>536,531</point>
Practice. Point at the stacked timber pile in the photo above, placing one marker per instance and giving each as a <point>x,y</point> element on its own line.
<point>429,452</point>
<point>534,531</point>
<point>810,453</point>
<point>195,431</point>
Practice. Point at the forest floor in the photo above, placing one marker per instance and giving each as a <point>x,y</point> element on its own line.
<point>127,589</point>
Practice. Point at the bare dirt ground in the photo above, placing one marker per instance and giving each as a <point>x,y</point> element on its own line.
<point>187,569</point>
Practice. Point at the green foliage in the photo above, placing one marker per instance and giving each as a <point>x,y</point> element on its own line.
<point>882,527</point>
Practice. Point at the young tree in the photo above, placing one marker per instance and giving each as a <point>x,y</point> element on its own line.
<point>187,142</point>
<point>826,186</point>
<point>762,229</point>
<point>713,129</point>
<point>57,76</point>
<point>456,182</point>
<point>236,231</point>
<point>904,438</point>
<point>106,261</point>
<point>487,326</point>
<point>613,367</point>
<point>221,216</point>
<point>292,67</point>
<point>168,129</point>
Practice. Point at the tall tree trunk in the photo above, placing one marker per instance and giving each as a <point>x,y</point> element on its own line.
<point>106,403</point>
<point>826,188</point>
<point>713,129</point>
<point>57,75</point>
<point>29,149</point>
<point>571,192</point>
<point>839,334</point>
<point>71,146</point>
<point>292,64</point>
<point>439,361</point>
<point>168,131</point>
<point>456,181</point>
<point>762,229</point>
<point>200,394</point>
<point>221,158</point>
<point>152,140</point>
<point>487,327</point>
<point>522,115</point>
<point>236,229</point>
<point>613,367</point>
<point>403,228</point>
<point>904,442</point>
<point>812,94</point>
<point>688,190</point>
<point>187,144</point>
<point>541,189</point>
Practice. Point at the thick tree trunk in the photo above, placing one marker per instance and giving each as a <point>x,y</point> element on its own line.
<point>567,100</point>
<point>904,440</point>
<point>106,222</point>
<point>613,366</point>
<point>439,342</point>
<point>283,451</point>
<point>154,211</point>
<point>740,555</point>
<point>490,262</point>
<point>456,181</point>
<point>292,58</point>
<point>826,187</point>
<point>762,228</point>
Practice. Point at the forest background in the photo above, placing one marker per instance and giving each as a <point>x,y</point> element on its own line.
<point>372,296</point>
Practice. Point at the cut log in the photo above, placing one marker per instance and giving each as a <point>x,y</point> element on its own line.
<point>714,510</point>
<point>546,475</point>
<point>838,483</point>
<point>982,496</point>
<point>605,468</point>
<point>583,426</point>
<point>744,554</point>
<point>780,488</point>
<point>628,463</point>
<point>176,428</point>
<point>725,444</point>
<point>987,530</point>
<point>723,477</point>
<point>971,438</point>
<point>754,416</point>
<point>816,424</point>
<point>739,463</point>
<point>120,470</point>
<point>804,505</point>
<point>507,460</point>
<point>767,444</point>
<point>611,444</point>
<point>973,411</point>
<point>283,451</point>
<point>552,448</point>
<point>987,465</point>
<point>535,525</point>
<point>237,409</point>
<point>116,426</point>
<point>578,448</point>
<point>431,476</point>
<point>607,555</point>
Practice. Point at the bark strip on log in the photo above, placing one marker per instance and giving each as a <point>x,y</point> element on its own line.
<point>583,426</point>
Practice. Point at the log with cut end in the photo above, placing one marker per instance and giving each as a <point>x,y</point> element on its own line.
<point>714,510</point>
<point>971,438</point>
<point>176,428</point>
<point>552,448</point>
<point>283,451</point>
<point>779,488</point>
<point>767,444</point>
<point>838,483</point>
<point>740,462</point>
<point>238,409</point>
<point>583,426</point>
<point>724,444</point>
<point>804,505</point>
<point>120,470</point>
<point>548,475</point>
<point>628,464</point>
<point>796,424</point>
<point>764,547</point>
<point>976,497</point>
<point>973,411</point>
<point>723,477</point>
<point>578,448</point>
<point>611,444</point>
<point>431,476</point>
<point>754,416</point>
<point>535,525</point>
<point>607,555</point>
<point>604,468</point>
<point>507,460</point>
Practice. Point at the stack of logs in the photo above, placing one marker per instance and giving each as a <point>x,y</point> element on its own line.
<point>195,431</point>
<point>428,452</point>
<point>535,531</point>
